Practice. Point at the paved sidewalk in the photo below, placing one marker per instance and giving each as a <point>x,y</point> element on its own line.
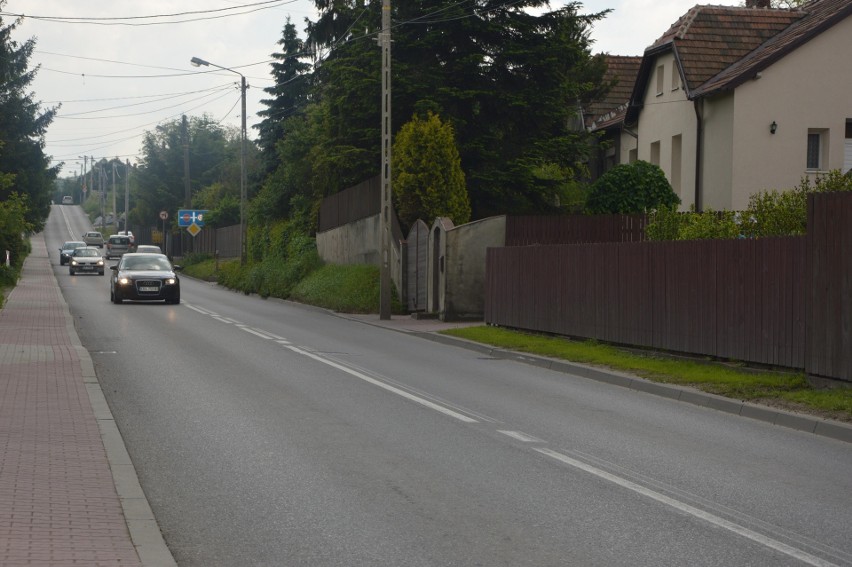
<point>69,494</point>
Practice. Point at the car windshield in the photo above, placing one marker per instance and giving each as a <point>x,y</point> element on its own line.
<point>137,263</point>
<point>72,245</point>
<point>86,252</point>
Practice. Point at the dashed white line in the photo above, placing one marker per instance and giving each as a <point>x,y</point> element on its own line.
<point>261,334</point>
<point>521,436</point>
<point>693,511</point>
<point>388,387</point>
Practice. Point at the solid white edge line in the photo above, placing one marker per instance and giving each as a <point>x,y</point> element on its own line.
<point>693,511</point>
<point>385,386</point>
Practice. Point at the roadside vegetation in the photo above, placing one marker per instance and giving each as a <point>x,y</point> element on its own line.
<point>786,390</point>
<point>301,276</point>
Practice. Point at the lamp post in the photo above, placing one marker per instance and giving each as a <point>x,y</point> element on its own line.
<point>197,62</point>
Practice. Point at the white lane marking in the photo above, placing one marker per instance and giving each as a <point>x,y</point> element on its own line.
<point>520,436</point>
<point>283,342</point>
<point>198,309</point>
<point>260,334</point>
<point>383,385</point>
<point>222,319</point>
<point>693,511</point>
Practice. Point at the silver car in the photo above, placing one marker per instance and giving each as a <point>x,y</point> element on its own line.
<point>86,260</point>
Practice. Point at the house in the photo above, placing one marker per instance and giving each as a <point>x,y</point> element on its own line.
<point>606,116</point>
<point>731,101</point>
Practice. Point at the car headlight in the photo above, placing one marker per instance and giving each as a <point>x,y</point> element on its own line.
<point>100,262</point>
<point>124,281</point>
<point>170,281</point>
<point>73,262</point>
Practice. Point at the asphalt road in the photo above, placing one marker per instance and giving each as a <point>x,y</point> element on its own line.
<point>267,433</point>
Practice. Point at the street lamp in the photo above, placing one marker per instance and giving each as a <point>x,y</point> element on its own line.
<point>198,62</point>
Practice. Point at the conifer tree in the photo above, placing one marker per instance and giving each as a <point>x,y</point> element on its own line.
<point>428,181</point>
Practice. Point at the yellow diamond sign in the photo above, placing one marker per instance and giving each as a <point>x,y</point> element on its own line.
<point>193,229</point>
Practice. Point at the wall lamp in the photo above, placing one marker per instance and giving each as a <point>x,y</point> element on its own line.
<point>773,127</point>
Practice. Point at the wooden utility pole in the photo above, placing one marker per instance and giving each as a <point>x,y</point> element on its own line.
<point>386,204</point>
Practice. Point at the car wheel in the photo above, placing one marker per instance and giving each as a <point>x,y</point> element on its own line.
<point>72,272</point>
<point>100,273</point>
<point>116,299</point>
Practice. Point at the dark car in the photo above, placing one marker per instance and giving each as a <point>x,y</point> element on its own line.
<point>67,248</point>
<point>86,260</point>
<point>144,277</point>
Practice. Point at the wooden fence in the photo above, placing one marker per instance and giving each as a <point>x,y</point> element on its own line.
<point>777,301</point>
<point>355,203</point>
<point>526,230</point>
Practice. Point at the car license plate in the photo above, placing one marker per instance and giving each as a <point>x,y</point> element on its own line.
<point>148,288</point>
<point>90,268</point>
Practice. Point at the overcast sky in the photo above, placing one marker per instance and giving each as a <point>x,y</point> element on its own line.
<point>117,81</point>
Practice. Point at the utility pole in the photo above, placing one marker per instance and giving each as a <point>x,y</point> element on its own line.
<point>85,187</point>
<point>114,210</point>
<point>187,197</point>
<point>126,194</point>
<point>386,209</point>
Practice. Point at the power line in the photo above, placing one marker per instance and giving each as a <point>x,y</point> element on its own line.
<point>117,21</point>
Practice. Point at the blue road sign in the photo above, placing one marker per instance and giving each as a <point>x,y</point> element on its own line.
<point>187,217</point>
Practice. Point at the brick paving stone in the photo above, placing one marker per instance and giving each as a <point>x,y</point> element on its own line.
<point>58,502</point>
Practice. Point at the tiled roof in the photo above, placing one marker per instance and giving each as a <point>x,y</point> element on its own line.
<point>709,39</point>
<point>818,16</point>
<point>622,70</point>
<point>720,47</point>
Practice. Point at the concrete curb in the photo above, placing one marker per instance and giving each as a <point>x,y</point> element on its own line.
<point>141,524</point>
<point>822,427</point>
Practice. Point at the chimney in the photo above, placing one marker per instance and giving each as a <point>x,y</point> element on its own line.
<point>757,4</point>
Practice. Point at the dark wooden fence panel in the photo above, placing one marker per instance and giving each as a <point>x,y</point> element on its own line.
<point>739,299</point>
<point>526,230</point>
<point>829,319</point>
<point>355,203</point>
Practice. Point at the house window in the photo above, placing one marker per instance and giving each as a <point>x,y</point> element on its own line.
<point>817,142</point>
<point>660,71</point>
<point>632,155</point>
<point>675,78</point>
<point>655,153</point>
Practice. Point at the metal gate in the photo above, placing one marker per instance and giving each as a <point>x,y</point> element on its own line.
<point>416,266</point>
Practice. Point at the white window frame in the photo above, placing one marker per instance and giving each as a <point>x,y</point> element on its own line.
<point>661,77</point>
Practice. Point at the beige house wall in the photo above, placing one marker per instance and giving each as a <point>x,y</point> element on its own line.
<point>810,87</point>
<point>666,115</point>
<point>718,150</point>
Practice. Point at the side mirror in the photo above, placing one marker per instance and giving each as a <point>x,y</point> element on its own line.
<point>177,268</point>
<point>114,268</point>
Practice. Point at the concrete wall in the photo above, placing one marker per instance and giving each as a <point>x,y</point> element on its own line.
<point>462,279</point>
<point>359,242</point>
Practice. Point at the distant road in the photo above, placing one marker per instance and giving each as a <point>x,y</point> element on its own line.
<point>267,433</point>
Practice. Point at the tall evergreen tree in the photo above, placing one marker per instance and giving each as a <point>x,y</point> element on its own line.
<point>23,124</point>
<point>288,95</point>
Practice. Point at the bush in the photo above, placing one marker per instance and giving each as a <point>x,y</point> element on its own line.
<point>631,188</point>
<point>346,289</point>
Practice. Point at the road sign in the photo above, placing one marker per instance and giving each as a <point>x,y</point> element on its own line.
<point>193,229</point>
<point>188,217</point>
<point>164,215</point>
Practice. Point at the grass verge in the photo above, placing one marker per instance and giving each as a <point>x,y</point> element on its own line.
<point>784,390</point>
